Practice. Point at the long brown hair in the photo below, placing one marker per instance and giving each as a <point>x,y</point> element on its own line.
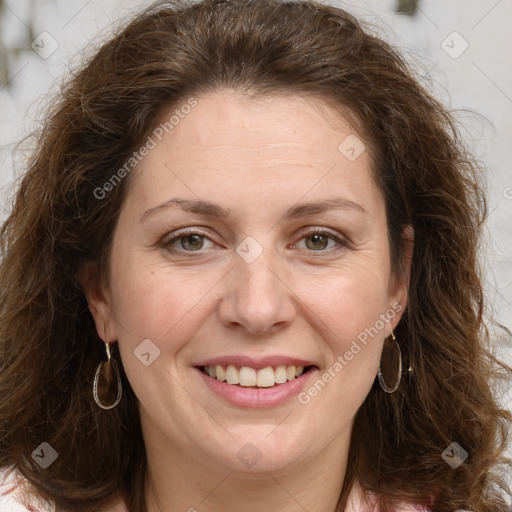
<point>48,344</point>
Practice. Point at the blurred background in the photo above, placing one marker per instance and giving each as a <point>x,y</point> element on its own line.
<point>460,49</point>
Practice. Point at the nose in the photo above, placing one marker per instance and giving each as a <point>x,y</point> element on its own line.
<point>257,299</point>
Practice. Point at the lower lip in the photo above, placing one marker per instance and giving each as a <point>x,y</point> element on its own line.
<point>254,398</point>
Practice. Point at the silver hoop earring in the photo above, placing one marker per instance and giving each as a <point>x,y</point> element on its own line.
<point>383,385</point>
<point>106,371</point>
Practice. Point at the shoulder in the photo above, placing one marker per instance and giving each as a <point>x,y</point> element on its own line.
<point>15,495</point>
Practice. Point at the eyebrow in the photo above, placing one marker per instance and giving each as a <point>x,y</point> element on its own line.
<point>299,210</point>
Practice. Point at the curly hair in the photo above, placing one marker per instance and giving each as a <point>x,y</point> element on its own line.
<point>49,347</point>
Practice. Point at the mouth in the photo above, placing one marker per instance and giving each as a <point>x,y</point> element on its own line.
<point>256,378</point>
<point>255,382</point>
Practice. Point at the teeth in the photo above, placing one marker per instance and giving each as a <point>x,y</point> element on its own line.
<point>281,377</point>
<point>232,376</point>
<point>249,377</point>
<point>266,377</point>
<point>221,374</point>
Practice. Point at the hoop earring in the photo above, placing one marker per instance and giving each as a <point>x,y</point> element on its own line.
<point>383,385</point>
<point>105,370</point>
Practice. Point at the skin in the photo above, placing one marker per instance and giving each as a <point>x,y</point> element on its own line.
<point>301,297</point>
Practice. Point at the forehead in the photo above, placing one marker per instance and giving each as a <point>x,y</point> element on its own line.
<point>227,116</point>
<point>228,145</point>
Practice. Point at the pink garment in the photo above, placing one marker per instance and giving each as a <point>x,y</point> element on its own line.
<point>11,499</point>
<point>356,503</point>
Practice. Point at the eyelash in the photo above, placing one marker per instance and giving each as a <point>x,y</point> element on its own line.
<point>342,243</point>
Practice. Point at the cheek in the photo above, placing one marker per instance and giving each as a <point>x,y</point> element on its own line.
<point>155,302</point>
<point>351,309</point>
<point>167,310</point>
<point>347,302</point>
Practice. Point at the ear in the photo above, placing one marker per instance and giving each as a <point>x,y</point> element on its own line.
<point>399,284</point>
<point>99,301</point>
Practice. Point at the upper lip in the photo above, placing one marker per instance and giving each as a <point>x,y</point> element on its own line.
<point>256,363</point>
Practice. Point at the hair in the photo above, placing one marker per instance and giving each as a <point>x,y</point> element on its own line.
<point>172,51</point>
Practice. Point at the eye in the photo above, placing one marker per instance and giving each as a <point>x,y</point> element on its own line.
<point>189,241</point>
<point>317,240</point>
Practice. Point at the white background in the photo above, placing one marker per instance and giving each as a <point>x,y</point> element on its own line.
<point>478,81</point>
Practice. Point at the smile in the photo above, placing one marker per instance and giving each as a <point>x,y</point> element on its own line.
<point>248,382</point>
<point>246,376</point>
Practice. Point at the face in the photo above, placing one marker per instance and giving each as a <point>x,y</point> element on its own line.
<point>272,256</point>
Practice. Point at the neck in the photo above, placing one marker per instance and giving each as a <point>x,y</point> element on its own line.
<point>183,481</point>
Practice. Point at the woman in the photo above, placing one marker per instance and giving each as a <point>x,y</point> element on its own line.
<point>241,274</point>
